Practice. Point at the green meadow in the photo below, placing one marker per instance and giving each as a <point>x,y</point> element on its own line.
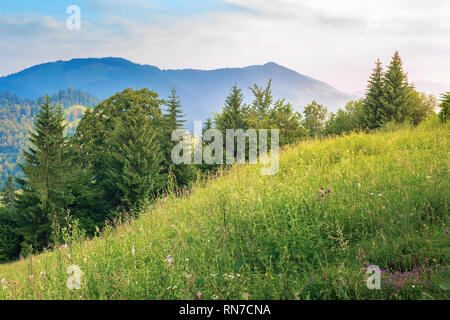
<point>336,206</point>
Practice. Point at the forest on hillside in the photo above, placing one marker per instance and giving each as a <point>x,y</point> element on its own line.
<point>119,157</point>
<point>16,120</point>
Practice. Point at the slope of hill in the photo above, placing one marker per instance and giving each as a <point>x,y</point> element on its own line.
<point>201,92</point>
<point>335,207</point>
<point>16,119</point>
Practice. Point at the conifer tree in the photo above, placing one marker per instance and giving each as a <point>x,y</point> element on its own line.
<point>134,163</point>
<point>174,115</point>
<point>174,119</point>
<point>374,113</point>
<point>260,106</point>
<point>45,197</point>
<point>396,91</point>
<point>232,116</point>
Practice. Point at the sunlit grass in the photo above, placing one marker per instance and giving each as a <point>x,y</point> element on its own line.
<point>309,232</point>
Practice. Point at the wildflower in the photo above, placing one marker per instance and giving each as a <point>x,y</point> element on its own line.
<point>199,295</point>
<point>133,251</point>
<point>245,295</point>
<point>359,185</point>
<point>421,224</point>
<point>169,260</point>
<point>379,194</point>
<point>3,281</point>
<point>69,256</point>
<point>446,231</point>
<point>31,278</point>
<point>215,297</point>
<point>4,287</point>
<point>43,273</point>
<point>64,246</point>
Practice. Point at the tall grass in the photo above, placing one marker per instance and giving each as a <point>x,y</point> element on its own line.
<point>308,232</point>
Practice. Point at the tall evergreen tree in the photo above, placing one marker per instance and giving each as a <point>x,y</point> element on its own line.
<point>94,148</point>
<point>174,115</point>
<point>259,110</point>
<point>396,91</point>
<point>374,113</point>
<point>45,197</point>
<point>232,116</point>
<point>174,119</point>
<point>134,164</point>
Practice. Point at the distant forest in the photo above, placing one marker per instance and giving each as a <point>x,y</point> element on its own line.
<point>16,119</point>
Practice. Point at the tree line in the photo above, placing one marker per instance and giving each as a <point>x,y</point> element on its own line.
<point>119,157</point>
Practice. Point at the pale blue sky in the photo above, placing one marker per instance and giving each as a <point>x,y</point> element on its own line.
<point>333,41</point>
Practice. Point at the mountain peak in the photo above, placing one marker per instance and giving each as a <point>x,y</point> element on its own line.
<point>201,93</point>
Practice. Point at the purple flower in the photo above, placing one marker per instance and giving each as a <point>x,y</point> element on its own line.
<point>446,231</point>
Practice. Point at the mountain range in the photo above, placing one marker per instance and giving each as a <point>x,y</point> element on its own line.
<point>202,92</point>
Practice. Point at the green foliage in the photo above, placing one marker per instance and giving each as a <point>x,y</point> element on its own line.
<point>45,195</point>
<point>16,119</point>
<point>349,119</point>
<point>233,115</point>
<point>396,92</point>
<point>173,120</point>
<point>314,119</point>
<point>387,206</point>
<point>7,192</point>
<point>421,106</point>
<point>374,113</point>
<point>389,97</point>
<point>9,241</point>
<point>445,107</point>
<point>134,162</point>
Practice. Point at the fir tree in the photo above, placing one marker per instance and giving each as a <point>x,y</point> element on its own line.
<point>396,91</point>
<point>374,113</point>
<point>232,116</point>
<point>174,119</point>
<point>45,196</point>
<point>174,115</point>
<point>134,164</point>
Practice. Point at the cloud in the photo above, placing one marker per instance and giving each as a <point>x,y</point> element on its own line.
<point>326,39</point>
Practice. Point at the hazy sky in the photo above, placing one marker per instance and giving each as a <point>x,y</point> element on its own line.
<point>333,41</point>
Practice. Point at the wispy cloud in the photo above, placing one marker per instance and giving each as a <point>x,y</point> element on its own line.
<point>333,41</point>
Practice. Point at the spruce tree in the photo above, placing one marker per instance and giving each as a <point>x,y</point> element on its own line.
<point>396,91</point>
<point>42,204</point>
<point>174,115</point>
<point>174,119</point>
<point>232,116</point>
<point>374,113</point>
<point>134,163</point>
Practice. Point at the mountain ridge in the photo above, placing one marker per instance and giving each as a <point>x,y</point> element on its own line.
<point>202,92</point>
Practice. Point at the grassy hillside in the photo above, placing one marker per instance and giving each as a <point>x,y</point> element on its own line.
<point>308,232</point>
